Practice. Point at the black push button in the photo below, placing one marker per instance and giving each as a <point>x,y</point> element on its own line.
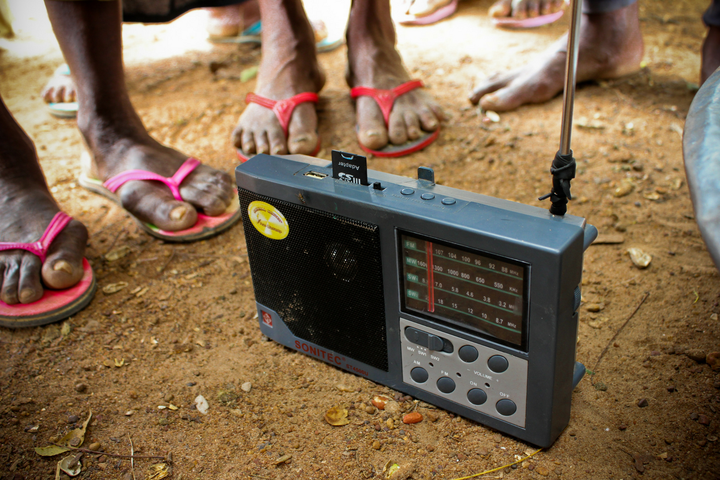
<point>506,407</point>
<point>446,384</point>
<point>497,363</point>
<point>468,353</point>
<point>419,374</point>
<point>477,396</point>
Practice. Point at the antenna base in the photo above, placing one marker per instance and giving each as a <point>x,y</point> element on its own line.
<point>562,170</point>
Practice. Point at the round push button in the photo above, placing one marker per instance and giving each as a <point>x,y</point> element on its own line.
<point>497,363</point>
<point>419,374</point>
<point>468,353</point>
<point>477,396</point>
<point>427,196</point>
<point>506,407</point>
<point>448,201</point>
<point>407,191</point>
<point>446,384</point>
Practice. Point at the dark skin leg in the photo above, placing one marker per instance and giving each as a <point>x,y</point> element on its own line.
<point>611,46</point>
<point>710,53</point>
<point>373,61</point>
<point>289,66</point>
<point>22,191</point>
<point>90,37</point>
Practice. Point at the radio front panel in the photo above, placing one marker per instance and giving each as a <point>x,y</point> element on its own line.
<point>461,300</point>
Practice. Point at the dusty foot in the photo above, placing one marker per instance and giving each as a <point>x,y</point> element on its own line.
<point>118,142</point>
<point>231,20</point>
<point>289,66</point>
<point>423,8</point>
<point>521,9</point>
<point>60,88</point>
<point>611,46</point>
<point>710,53</point>
<point>26,209</point>
<point>373,61</point>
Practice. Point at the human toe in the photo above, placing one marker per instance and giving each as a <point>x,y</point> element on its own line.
<point>503,100</point>
<point>63,266</point>
<point>488,85</point>
<point>372,132</point>
<point>303,143</point>
<point>397,129</point>
<point>156,206</point>
<point>533,8</point>
<point>211,193</point>
<point>501,8</point>
<point>412,125</point>
<point>29,287</point>
<point>10,280</point>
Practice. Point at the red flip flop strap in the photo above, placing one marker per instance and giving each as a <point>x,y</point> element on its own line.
<point>283,108</point>
<point>386,98</point>
<point>173,183</point>
<point>39,248</point>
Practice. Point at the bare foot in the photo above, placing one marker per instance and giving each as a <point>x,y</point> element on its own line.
<point>710,53</point>
<point>26,209</point>
<point>60,88</point>
<point>289,66</point>
<point>611,46</point>
<point>231,20</point>
<point>373,61</point>
<point>521,9</point>
<point>423,8</point>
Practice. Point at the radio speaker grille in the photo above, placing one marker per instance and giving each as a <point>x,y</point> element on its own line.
<point>324,279</point>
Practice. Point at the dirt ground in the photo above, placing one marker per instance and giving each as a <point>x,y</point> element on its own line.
<point>185,325</point>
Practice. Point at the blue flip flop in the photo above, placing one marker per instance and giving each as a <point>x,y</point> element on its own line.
<point>252,34</point>
<point>63,109</point>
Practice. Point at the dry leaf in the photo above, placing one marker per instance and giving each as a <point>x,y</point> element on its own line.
<point>390,468</point>
<point>114,287</point>
<point>71,465</point>
<point>158,471</point>
<point>119,363</point>
<point>74,438</point>
<point>117,254</point>
<point>283,459</point>
<point>337,416</point>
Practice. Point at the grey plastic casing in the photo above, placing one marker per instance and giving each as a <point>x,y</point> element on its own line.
<point>552,246</point>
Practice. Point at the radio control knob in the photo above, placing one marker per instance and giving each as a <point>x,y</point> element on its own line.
<point>477,396</point>
<point>497,363</point>
<point>446,384</point>
<point>506,407</point>
<point>468,353</point>
<point>419,374</point>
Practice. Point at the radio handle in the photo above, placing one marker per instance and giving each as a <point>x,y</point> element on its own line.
<point>563,165</point>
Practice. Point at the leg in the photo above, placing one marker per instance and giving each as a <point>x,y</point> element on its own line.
<point>711,45</point>
<point>23,190</point>
<point>90,37</point>
<point>373,61</point>
<point>611,46</point>
<point>521,9</point>
<point>289,66</point>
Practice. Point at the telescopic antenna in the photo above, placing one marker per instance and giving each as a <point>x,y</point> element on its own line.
<point>563,165</point>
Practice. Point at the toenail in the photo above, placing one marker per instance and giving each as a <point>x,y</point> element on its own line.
<point>178,213</point>
<point>62,265</point>
<point>372,133</point>
<point>26,294</point>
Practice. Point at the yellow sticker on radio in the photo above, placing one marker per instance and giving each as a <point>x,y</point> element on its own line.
<point>268,220</point>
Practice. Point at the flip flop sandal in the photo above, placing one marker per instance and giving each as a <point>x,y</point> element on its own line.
<point>385,100</point>
<point>205,227</point>
<point>63,109</point>
<point>283,111</point>
<point>253,35</point>
<point>54,305</point>
<point>528,22</point>
<point>439,14</point>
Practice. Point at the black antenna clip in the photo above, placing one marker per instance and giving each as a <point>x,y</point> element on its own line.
<point>563,170</point>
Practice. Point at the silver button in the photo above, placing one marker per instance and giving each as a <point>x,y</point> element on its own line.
<point>427,196</point>
<point>407,191</point>
<point>448,201</point>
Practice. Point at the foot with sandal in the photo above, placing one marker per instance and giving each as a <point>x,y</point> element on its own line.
<point>395,116</point>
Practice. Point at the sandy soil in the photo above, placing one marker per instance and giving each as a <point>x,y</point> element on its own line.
<point>185,325</point>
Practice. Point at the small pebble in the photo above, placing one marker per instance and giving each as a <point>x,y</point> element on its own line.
<point>542,470</point>
<point>703,420</point>
<point>81,388</point>
<point>642,403</point>
<point>246,387</point>
<point>73,419</point>
<point>376,445</point>
<point>95,446</point>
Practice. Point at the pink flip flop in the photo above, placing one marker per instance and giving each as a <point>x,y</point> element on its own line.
<point>283,111</point>
<point>528,22</point>
<point>385,100</point>
<point>436,16</point>
<point>205,227</point>
<point>54,305</point>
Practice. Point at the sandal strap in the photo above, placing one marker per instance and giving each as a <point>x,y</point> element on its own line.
<point>386,98</point>
<point>40,248</point>
<point>283,109</point>
<point>173,182</point>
